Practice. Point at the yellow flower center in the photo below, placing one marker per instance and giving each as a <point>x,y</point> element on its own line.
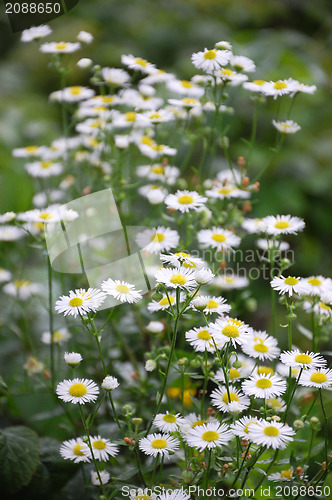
<point>280,85</point>
<point>57,336</point>
<point>147,141</point>
<point>61,46</point>
<point>76,302</point>
<point>143,497</point>
<point>20,283</point>
<point>233,396</point>
<point>227,72</point>
<point>159,444</point>
<point>99,444</point>
<point>157,169</point>
<point>157,238</point>
<point>261,347</point>
<point>210,436</point>
<point>318,378</point>
<point>141,62</point>
<point>314,282</point>
<point>166,302</point>
<point>178,279</point>
<point>107,99</point>
<point>234,373</point>
<point>272,431</point>
<point>204,335</point>
<point>324,306</point>
<point>198,422</point>
<point>231,331</point>
<point>130,116</point>
<point>219,238</point>
<point>45,215</point>
<point>77,390</point>
<point>303,358</point>
<point>186,84</point>
<point>286,474</point>
<point>224,191</point>
<point>282,224</point>
<point>258,82</point>
<point>122,288</point>
<point>185,199</point>
<point>187,100</point>
<point>31,149</point>
<point>291,280</point>
<point>210,54</point>
<point>76,90</point>
<point>169,418</point>
<point>45,164</point>
<point>265,370</point>
<point>212,304</point>
<point>77,450</point>
<point>229,280</point>
<point>274,403</point>
<point>155,116</point>
<point>263,383</point>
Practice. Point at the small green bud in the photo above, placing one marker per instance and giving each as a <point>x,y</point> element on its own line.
<point>298,424</point>
<point>237,364</point>
<point>137,421</point>
<point>195,363</point>
<point>182,361</point>
<point>187,476</point>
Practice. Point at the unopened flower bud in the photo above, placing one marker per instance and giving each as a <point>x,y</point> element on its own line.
<point>241,161</point>
<point>245,181</point>
<point>150,365</point>
<point>298,424</point>
<point>137,421</point>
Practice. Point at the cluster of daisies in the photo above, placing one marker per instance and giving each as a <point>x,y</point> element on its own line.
<point>129,113</point>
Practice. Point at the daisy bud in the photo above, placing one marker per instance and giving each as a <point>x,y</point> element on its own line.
<point>237,364</point>
<point>85,62</point>
<point>182,361</point>
<point>72,359</point>
<point>104,478</point>
<point>157,296</point>
<point>245,181</point>
<point>244,442</point>
<point>84,37</point>
<point>195,363</point>
<point>323,467</point>
<point>314,422</point>
<point>86,190</point>
<point>187,476</point>
<point>298,424</point>
<point>246,207</point>
<point>210,412</point>
<point>150,365</point>
<point>109,383</point>
<point>256,186</point>
<point>137,421</point>
<point>129,441</point>
<point>155,327</point>
<point>241,161</point>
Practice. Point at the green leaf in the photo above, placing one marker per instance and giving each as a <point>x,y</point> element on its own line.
<point>19,456</point>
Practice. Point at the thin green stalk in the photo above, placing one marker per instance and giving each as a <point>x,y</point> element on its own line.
<point>175,331</point>
<point>268,469</point>
<point>205,382</point>
<point>50,317</point>
<point>207,473</point>
<point>138,461</point>
<point>241,466</point>
<point>86,428</point>
<point>325,425</point>
<point>291,394</point>
<point>154,471</point>
<point>310,444</point>
<point>115,415</point>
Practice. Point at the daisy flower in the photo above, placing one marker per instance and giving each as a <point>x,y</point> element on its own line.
<point>174,495</point>
<point>43,168</point>
<point>138,64</point>
<point>7,217</point>
<point>287,127</point>
<point>290,285</point>
<point>185,87</point>
<point>235,402</point>
<point>85,37</point>
<point>279,88</point>
<point>229,330</point>
<point>235,374</point>
<point>28,151</point>
<point>192,420</point>
<point>262,346</point>
<point>210,60</point>
<point>298,359</point>
<point>5,275</point>
<point>204,276</point>
<point>323,308</point>
<point>283,370</point>
<point>115,76</point>
<point>252,226</point>
<point>254,86</point>
<point>230,282</point>
<point>241,427</point>
<point>141,494</point>
<point>103,475</point>
<point>274,435</point>
<point>35,33</point>
<point>58,336</point>
<point>80,302</point>
<point>157,171</point>
<point>160,116</point>
<point>22,289</point>
<point>208,436</point>
<point>11,233</point>
<point>243,63</point>
<point>60,47</point>
<point>84,62</point>
<point>155,194</point>
<point>72,94</point>
<point>218,238</point>
<point>184,201</point>
<point>177,277</point>
<point>319,378</point>
<point>318,284</point>
<point>265,245</point>
<point>158,444</point>
<point>230,77</point>
<point>77,391</point>
<point>281,224</point>
<point>103,448</point>
<point>33,366</point>
<point>189,103</point>
<point>168,422</point>
<point>264,386</point>
<point>278,405</point>
<point>158,239</point>
<point>76,450</point>
<point>121,290</point>
<point>283,475</point>
<point>226,192</point>
<point>210,305</point>
<point>200,338</point>
<point>155,327</point>
<point>165,303</point>
<point>182,259</point>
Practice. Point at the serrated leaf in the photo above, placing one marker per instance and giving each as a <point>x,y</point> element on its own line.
<point>19,456</point>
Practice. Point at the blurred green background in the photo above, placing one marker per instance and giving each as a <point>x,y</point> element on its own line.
<point>290,38</point>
